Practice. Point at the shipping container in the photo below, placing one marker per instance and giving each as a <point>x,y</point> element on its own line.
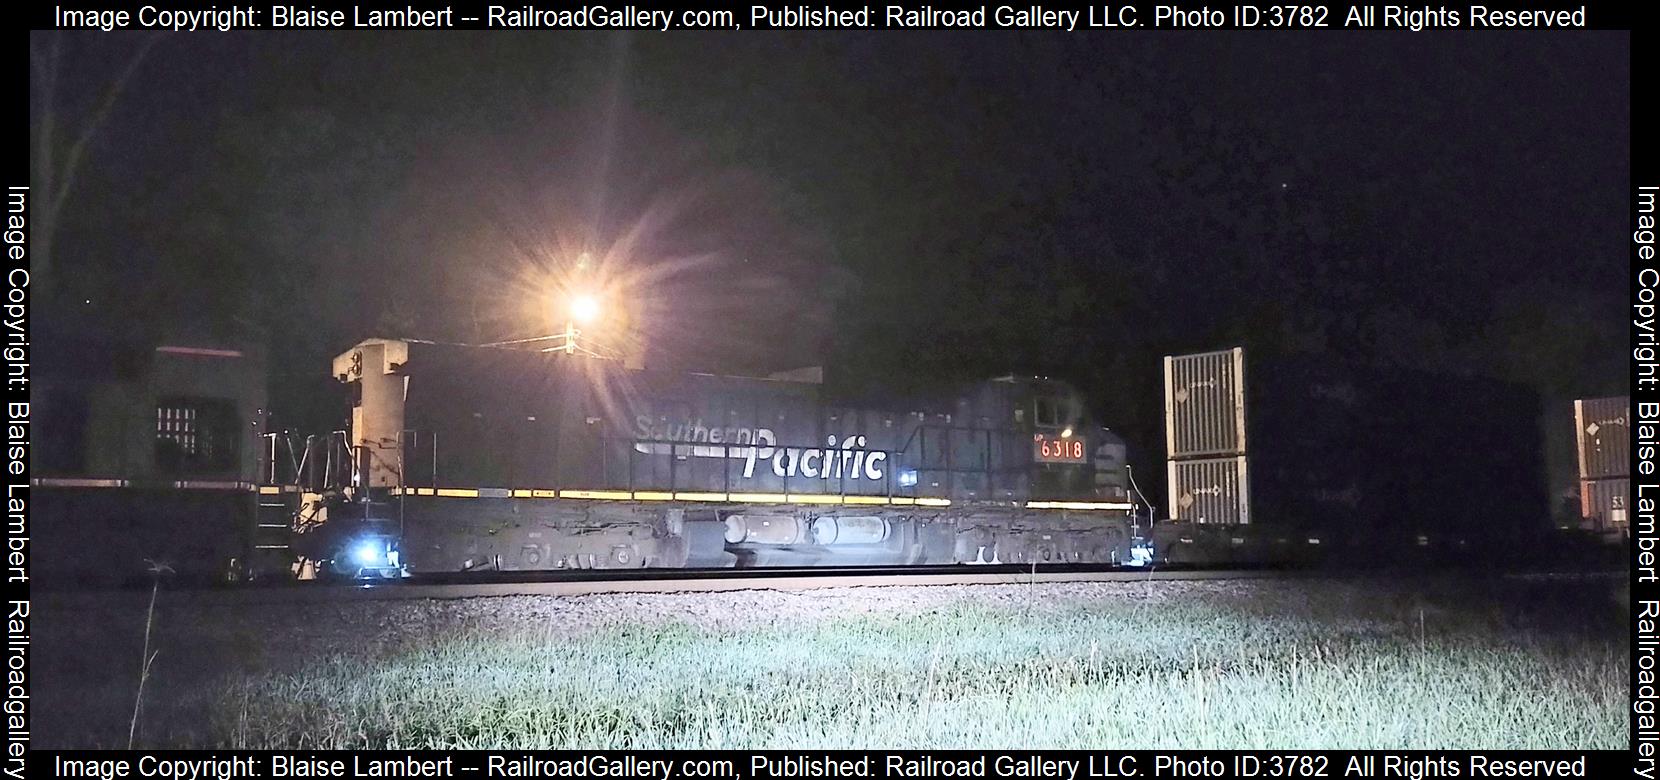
<point>1212,491</point>
<point>1604,504</point>
<point>1204,404</point>
<point>1361,450</point>
<point>1604,434</point>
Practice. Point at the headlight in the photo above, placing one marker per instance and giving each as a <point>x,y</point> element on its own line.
<point>1141,554</point>
<point>370,553</point>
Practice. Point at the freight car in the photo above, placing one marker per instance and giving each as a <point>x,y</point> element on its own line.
<point>1364,462</point>
<point>484,458</point>
<point>1603,439</point>
<point>144,459</point>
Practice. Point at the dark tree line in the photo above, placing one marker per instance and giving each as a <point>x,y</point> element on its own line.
<point>929,214</point>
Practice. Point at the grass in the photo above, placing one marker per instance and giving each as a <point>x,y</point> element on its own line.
<point>1205,674</point>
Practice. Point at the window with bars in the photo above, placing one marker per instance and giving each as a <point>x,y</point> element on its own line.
<point>1054,412</point>
<point>196,435</point>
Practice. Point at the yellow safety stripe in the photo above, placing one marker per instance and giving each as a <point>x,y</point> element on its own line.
<point>176,484</point>
<point>75,482</point>
<point>1081,505</point>
<point>658,495</point>
<point>603,495</point>
<point>590,495</point>
<point>204,484</point>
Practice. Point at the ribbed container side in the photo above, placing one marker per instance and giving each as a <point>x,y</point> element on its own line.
<point>1213,491</point>
<point>1604,433</point>
<point>1368,451</point>
<point>1603,504</point>
<point>1204,404</point>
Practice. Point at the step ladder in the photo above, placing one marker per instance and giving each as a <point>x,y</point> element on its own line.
<point>272,549</point>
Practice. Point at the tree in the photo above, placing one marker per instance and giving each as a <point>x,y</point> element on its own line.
<point>60,138</point>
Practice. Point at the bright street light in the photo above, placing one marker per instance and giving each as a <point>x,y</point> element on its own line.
<point>584,308</point>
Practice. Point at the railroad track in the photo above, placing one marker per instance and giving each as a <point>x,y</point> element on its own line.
<point>780,580</point>
<point>687,581</point>
<point>582,583</point>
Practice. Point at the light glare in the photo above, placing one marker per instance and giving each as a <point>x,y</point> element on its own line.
<point>584,308</point>
<point>367,553</point>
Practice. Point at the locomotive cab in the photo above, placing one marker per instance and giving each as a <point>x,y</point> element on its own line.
<point>1072,457</point>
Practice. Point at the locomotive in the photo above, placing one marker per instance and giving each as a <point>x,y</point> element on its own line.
<point>467,458</point>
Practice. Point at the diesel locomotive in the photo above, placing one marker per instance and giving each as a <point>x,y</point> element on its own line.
<point>498,458</point>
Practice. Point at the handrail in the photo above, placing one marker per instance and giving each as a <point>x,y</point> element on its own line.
<point>287,461</point>
<point>844,480</point>
<point>910,457</point>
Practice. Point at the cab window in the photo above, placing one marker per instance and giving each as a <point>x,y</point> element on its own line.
<point>1050,412</point>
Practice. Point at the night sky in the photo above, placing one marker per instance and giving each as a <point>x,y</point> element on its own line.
<point>903,208</point>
